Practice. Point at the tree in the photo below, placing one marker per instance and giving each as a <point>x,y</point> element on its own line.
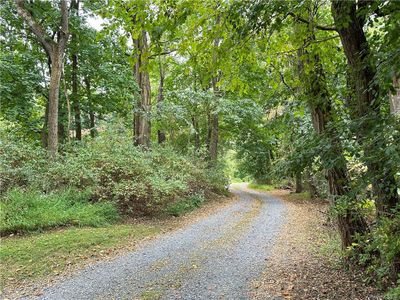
<point>142,125</point>
<point>55,50</point>
<point>75,82</point>
<point>365,99</point>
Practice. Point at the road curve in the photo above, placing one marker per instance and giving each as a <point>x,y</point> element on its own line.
<point>215,258</point>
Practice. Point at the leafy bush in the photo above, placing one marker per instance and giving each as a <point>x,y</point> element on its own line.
<point>186,204</point>
<point>22,211</point>
<point>139,182</point>
<point>379,252</point>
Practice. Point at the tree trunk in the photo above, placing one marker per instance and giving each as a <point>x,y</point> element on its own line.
<point>195,124</point>
<point>91,110</point>
<point>394,98</point>
<point>44,131</point>
<point>142,125</point>
<point>160,99</point>
<point>214,123</point>
<point>55,77</point>
<point>299,184</point>
<point>75,98</point>
<point>365,103</point>
<point>214,137</point>
<point>92,124</point>
<point>208,136</point>
<point>349,222</point>
<point>311,184</point>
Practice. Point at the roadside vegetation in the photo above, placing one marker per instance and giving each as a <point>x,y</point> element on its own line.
<point>144,109</point>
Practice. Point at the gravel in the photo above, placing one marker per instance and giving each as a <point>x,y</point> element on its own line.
<point>215,258</point>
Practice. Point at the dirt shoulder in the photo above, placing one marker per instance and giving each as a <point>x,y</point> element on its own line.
<point>304,263</point>
<point>63,260</point>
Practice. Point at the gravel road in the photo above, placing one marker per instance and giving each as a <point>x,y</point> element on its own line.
<point>215,258</point>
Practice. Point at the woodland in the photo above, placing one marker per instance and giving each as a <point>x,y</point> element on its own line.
<point>112,110</point>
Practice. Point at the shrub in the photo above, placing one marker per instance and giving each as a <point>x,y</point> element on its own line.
<point>22,211</point>
<point>186,204</point>
<point>139,182</point>
<point>379,252</point>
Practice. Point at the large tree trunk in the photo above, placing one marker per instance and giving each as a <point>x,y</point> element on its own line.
<point>311,184</point>
<point>55,77</point>
<point>142,125</point>
<point>365,104</point>
<point>214,120</point>
<point>299,183</point>
<point>214,123</point>
<point>75,98</point>
<point>349,222</point>
<point>55,53</point>
<point>160,99</point>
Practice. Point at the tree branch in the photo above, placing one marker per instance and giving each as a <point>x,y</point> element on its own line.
<point>38,30</point>
<point>320,27</point>
<point>162,53</point>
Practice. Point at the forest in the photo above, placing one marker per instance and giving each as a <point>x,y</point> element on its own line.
<point>120,118</point>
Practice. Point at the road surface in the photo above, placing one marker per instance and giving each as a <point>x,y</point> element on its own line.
<point>216,258</point>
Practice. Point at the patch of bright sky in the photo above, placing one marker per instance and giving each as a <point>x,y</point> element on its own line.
<point>95,22</point>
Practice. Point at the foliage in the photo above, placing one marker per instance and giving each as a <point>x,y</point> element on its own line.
<point>22,211</point>
<point>110,168</point>
<point>185,205</point>
<point>379,251</point>
<point>268,80</point>
<point>264,187</point>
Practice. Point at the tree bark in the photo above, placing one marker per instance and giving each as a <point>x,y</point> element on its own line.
<point>55,77</point>
<point>55,52</point>
<point>311,184</point>
<point>142,125</point>
<point>44,131</point>
<point>365,105</point>
<point>299,183</point>
<point>195,124</point>
<point>92,118</point>
<point>75,97</point>
<point>160,98</point>
<point>394,98</point>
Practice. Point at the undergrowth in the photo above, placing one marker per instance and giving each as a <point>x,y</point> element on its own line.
<point>92,182</point>
<point>22,211</point>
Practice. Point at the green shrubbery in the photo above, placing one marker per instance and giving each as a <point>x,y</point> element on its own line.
<point>185,205</point>
<point>106,169</point>
<point>31,210</point>
<point>379,253</point>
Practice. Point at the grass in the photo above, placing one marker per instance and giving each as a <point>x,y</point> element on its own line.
<point>263,187</point>
<point>299,196</point>
<point>41,254</point>
<point>25,211</point>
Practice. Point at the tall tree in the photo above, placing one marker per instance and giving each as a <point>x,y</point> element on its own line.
<point>142,125</point>
<point>160,98</point>
<point>75,82</point>
<point>350,17</point>
<point>320,104</point>
<point>55,50</point>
